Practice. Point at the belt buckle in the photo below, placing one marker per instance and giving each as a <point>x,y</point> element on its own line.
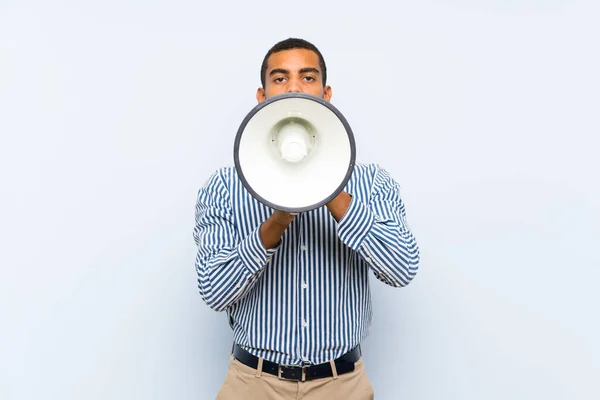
<point>283,378</point>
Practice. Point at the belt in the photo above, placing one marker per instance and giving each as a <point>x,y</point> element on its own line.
<point>343,365</point>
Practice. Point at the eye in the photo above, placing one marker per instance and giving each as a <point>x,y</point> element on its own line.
<point>310,78</point>
<point>279,79</point>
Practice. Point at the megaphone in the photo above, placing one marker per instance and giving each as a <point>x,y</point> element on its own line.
<point>294,152</point>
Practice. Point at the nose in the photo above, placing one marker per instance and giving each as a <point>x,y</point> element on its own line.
<point>293,87</point>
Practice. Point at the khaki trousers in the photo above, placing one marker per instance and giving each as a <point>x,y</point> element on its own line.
<point>245,383</point>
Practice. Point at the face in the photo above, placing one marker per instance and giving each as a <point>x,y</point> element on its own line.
<point>295,70</point>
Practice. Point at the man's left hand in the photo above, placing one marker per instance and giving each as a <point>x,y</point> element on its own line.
<point>338,206</point>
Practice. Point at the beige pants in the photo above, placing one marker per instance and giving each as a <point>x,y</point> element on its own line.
<point>244,383</point>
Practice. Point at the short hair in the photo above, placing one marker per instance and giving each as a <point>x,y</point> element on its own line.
<point>289,44</point>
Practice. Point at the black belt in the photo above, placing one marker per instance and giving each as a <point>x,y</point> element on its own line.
<point>300,373</point>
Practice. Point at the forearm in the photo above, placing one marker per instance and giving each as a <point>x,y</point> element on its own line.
<point>226,274</point>
<point>383,241</point>
<point>393,255</point>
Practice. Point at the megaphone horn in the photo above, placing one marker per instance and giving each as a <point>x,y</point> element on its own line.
<point>294,152</point>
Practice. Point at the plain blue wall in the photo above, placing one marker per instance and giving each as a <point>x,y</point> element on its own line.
<point>114,113</point>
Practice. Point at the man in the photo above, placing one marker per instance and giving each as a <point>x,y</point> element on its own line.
<point>296,288</point>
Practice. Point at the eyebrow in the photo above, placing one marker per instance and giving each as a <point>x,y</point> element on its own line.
<point>305,70</point>
<point>287,71</point>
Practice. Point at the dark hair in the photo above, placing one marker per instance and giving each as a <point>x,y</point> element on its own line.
<point>289,44</point>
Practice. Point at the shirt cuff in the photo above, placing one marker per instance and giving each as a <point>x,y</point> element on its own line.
<point>356,224</point>
<point>252,252</point>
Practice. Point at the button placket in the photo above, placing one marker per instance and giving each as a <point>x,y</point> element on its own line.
<point>302,260</point>
<point>302,295</point>
<point>303,257</point>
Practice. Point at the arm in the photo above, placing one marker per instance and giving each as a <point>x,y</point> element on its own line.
<point>378,231</point>
<point>228,265</point>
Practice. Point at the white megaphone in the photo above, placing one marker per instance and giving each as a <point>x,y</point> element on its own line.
<point>294,152</point>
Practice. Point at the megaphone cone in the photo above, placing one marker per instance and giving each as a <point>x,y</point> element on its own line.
<point>294,152</point>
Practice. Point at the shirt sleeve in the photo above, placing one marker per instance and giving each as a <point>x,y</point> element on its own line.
<point>227,265</point>
<point>379,232</point>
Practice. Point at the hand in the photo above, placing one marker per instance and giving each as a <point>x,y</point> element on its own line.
<point>272,229</point>
<point>282,218</point>
<point>339,205</point>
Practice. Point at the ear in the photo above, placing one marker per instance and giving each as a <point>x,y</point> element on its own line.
<point>260,95</point>
<point>327,93</point>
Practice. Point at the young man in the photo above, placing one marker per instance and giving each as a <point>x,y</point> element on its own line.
<point>296,288</point>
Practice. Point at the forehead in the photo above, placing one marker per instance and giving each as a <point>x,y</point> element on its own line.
<point>293,59</point>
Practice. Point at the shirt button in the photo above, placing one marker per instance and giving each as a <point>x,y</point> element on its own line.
<point>303,247</point>
<point>258,259</point>
<point>368,260</point>
<point>304,324</point>
<point>304,285</point>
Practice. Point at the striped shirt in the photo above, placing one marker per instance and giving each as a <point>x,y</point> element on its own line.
<point>308,300</point>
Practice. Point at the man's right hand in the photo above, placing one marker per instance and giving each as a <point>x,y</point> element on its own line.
<point>282,217</point>
<point>272,229</point>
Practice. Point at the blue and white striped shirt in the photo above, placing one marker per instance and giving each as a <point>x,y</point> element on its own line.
<point>307,300</point>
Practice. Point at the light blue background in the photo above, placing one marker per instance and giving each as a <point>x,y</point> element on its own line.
<point>114,113</point>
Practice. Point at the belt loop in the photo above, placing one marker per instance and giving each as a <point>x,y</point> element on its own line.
<point>232,346</point>
<point>259,367</point>
<point>333,369</point>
